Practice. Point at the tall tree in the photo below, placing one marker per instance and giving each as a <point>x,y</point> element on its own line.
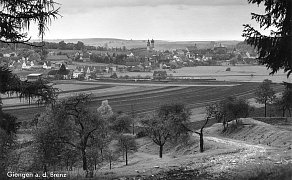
<point>17,16</point>
<point>265,94</point>
<point>15,20</point>
<point>275,50</point>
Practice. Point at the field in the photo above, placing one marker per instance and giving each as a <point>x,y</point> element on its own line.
<point>142,97</point>
<point>239,73</point>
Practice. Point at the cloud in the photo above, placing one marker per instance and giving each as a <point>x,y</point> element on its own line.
<point>75,6</point>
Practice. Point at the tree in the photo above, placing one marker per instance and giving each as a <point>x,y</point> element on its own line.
<point>121,123</point>
<point>80,45</point>
<point>75,124</point>
<point>265,94</point>
<point>275,50</point>
<point>228,109</point>
<point>201,134</point>
<point>111,156</point>
<point>16,17</point>
<point>168,124</point>
<point>62,45</point>
<point>285,101</point>
<point>127,144</point>
<point>47,145</point>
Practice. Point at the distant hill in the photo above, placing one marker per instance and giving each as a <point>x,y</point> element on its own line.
<point>159,44</point>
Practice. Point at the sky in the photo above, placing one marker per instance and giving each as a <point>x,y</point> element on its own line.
<point>173,20</point>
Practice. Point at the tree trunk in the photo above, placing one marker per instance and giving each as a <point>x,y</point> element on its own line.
<point>67,164</point>
<point>201,141</point>
<point>283,112</point>
<point>95,163</point>
<point>84,159</point>
<point>133,128</point>
<point>265,109</point>
<point>110,161</point>
<point>160,151</point>
<point>126,151</point>
<point>101,151</point>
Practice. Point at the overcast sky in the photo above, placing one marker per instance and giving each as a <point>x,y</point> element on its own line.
<point>147,19</point>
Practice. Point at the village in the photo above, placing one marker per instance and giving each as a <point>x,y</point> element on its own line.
<point>88,62</point>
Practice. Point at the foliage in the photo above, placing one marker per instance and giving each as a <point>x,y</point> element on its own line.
<point>121,123</point>
<point>74,124</point>
<point>284,103</point>
<point>17,16</point>
<point>275,50</point>
<point>11,84</point>
<point>228,109</point>
<point>265,94</point>
<point>47,144</point>
<point>169,124</point>
<point>8,123</point>
<point>6,145</point>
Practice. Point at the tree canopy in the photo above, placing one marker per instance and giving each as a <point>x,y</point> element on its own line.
<point>275,50</point>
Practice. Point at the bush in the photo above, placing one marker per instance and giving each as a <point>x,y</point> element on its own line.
<point>228,69</point>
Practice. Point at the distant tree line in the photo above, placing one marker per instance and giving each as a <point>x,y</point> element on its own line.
<point>62,45</point>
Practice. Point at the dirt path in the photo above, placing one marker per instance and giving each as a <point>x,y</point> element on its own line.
<point>243,154</point>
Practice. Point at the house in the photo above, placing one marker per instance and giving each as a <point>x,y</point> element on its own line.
<point>33,77</point>
<point>47,65</point>
<point>25,65</point>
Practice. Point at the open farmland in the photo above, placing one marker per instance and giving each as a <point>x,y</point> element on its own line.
<point>146,98</point>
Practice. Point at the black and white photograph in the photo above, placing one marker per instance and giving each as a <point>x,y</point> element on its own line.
<point>145,89</point>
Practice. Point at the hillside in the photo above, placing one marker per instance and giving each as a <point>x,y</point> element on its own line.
<point>235,153</point>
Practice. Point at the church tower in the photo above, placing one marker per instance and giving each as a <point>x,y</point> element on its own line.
<point>148,45</point>
<point>152,44</point>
